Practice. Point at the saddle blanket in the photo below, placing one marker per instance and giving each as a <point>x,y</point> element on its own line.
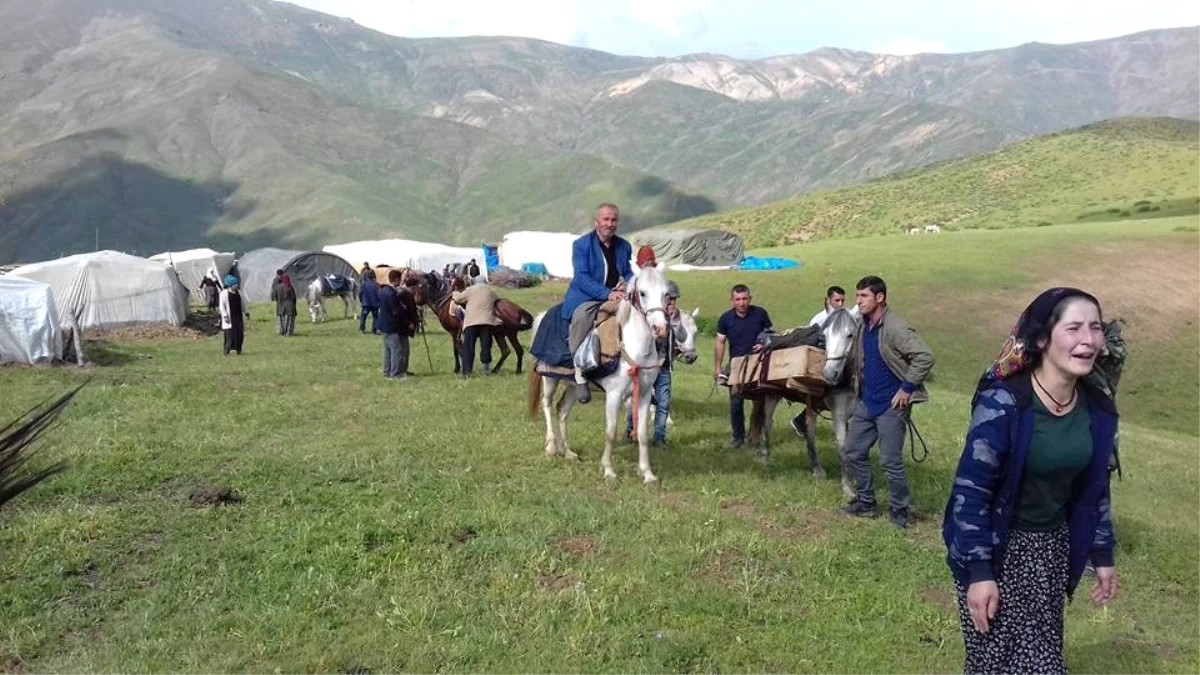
<point>335,283</point>
<point>560,373</point>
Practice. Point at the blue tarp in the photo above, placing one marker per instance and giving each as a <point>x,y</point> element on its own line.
<point>751,262</point>
<point>535,268</point>
<point>491,256</point>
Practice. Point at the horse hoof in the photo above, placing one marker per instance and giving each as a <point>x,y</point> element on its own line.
<point>651,481</point>
<point>572,457</point>
<point>610,477</point>
<point>818,473</point>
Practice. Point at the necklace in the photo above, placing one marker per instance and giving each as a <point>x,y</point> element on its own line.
<point>1058,407</point>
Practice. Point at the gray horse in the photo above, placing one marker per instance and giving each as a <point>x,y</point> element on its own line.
<point>840,329</point>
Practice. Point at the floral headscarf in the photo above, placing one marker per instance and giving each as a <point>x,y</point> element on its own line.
<point>1014,357</point>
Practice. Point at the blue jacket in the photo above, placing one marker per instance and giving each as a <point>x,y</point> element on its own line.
<point>368,293</point>
<point>389,310</point>
<point>982,505</point>
<point>587,260</point>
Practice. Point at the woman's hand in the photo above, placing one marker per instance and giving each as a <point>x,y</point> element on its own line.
<point>1105,588</point>
<point>983,599</point>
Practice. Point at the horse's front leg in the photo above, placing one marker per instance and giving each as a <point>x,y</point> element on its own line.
<point>612,411</point>
<point>456,343</point>
<point>810,439</point>
<point>841,408</point>
<point>643,426</point>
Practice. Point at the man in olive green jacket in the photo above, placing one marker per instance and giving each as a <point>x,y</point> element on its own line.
<point>889,365</point>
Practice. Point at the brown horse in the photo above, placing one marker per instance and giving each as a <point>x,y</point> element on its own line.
<point>434,293</point>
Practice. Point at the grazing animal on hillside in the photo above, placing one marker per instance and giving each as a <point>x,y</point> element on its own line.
<point>914,230</point>
<point>840,328</point>
<point>642,318</point>
<point>329,286</point>
<point>434,292</point>
<point>932,229</point>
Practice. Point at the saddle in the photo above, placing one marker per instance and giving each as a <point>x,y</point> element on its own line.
<point>608,330</point>
<point>334,283</point>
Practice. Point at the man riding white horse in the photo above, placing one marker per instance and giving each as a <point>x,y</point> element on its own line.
<point>602,270</point>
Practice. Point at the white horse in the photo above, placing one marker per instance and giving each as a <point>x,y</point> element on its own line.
<point>840,329</point>
<point>642,317</point>
<point>316,295</point>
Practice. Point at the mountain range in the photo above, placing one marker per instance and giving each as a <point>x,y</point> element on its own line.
<point>146,125</point>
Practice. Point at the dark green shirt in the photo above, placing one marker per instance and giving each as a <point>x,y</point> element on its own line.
<point>1059,452</point>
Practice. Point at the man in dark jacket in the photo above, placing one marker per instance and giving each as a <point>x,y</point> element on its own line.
<point>888,367</point>
<point>397,321</point>
<point>368,297</point>
<point>600,261</point>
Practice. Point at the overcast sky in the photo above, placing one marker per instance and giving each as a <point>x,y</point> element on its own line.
<point>758,28</point>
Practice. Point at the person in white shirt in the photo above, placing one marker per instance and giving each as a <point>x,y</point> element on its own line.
<point>835,298</point>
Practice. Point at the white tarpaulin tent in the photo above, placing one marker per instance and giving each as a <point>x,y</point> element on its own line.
<point>29,330</point>
<point>423,255</point>
<point>108,289</point>
<point>552,249</point>
<point>192,265</point>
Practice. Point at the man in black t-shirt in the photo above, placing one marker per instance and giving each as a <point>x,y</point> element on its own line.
<point>739,327</point>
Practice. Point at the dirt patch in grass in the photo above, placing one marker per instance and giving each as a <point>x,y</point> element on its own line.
<point>195,327</point>
<point>462,535</point>
<point>1160,650</point>
<point>678,500</point>
<point>579,546</point>
<point>213,495</point>
<point>940,597</point>
<point>87,574</point>
<point>808,524</point>
<point>554,582</point>
<point>722,567</point>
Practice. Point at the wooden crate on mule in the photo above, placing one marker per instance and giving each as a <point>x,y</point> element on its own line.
<point>806,365</point>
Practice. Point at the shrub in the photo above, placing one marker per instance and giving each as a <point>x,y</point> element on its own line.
<point>1143,202</point>
<point>1124,214</point>
<point>1043,223</point>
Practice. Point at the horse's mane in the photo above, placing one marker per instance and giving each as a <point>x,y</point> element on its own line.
<point>839,316</point>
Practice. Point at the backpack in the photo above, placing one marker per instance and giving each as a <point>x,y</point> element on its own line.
<point>1106,375</point>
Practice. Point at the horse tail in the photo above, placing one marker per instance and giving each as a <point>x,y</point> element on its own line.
<point>535,392</point>
<point>525,322</point>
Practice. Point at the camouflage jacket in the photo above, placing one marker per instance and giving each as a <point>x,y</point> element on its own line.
<point>982,505</point>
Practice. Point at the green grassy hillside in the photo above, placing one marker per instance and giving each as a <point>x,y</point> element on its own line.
<point>415,526</point>
<point>1123,169</point>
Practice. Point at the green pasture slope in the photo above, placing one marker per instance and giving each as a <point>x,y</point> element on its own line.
<point>416,526</point>
<point>1122,169</point>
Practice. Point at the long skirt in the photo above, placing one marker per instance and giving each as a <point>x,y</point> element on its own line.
<point>1027,634</point>
<point>234,338</point>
